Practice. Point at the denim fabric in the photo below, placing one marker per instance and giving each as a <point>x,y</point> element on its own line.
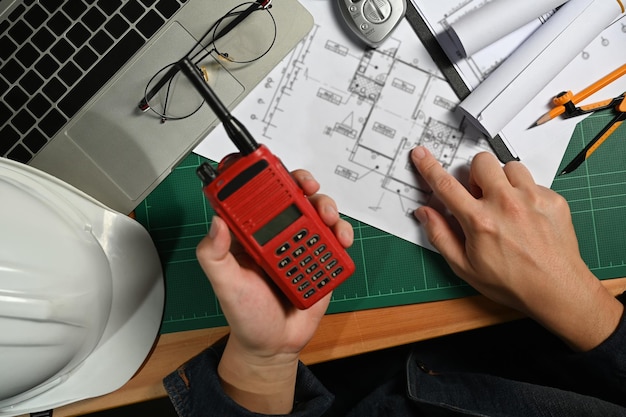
<point>195,390</point>
<point>558,383</point>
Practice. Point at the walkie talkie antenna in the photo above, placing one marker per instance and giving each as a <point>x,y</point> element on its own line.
<point>236,131</point>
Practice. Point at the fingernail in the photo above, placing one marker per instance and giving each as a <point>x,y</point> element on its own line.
<point>213,228</point>
<point>330,209</point>
<point>419,152</point>
<point>421,216</point>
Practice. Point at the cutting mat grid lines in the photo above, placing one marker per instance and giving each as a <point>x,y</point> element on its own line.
<point>390,271</point>
<point>596,193</point>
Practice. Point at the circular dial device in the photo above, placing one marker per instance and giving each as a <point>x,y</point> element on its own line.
<point>376,11</point>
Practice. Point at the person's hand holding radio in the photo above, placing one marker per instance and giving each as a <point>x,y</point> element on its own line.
<point>267,333</point>
<point>518,247</point>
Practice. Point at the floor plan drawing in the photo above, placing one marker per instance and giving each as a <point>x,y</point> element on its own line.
<point>351,115</point>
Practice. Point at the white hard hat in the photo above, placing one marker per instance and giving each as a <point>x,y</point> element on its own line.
<point>81,293</point>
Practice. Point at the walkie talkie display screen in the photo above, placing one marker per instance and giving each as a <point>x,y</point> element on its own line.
<point>277,225</point>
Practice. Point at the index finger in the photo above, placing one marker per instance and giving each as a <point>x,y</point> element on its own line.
<point>447,188</point>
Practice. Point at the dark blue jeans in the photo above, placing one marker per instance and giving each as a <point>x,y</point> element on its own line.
<point>511,370</point>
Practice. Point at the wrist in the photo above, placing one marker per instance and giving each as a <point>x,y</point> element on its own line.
<point>583,315</point>
<point>260,383</point>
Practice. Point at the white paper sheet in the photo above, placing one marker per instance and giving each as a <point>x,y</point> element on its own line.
<point>508,89</point>
<point>440,15</point>
<point>496,19</point>
<point>351,116</point>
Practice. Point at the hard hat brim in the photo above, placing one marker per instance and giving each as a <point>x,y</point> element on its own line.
<point>138,294</point>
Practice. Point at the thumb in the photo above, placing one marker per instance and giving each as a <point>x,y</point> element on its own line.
<point>444,238</point>
<point>214,256</point>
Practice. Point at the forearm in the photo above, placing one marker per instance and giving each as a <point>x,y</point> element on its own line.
<point>261,385</point>
<point>197,390</point>
<point>583,315</point>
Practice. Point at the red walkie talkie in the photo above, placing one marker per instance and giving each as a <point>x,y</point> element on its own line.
<point>269,214</point>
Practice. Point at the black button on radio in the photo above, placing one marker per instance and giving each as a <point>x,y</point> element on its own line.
<point>282,249</point>
<point>314,239</point>
<point>299,251</point>
<point>284,262</point>
<point>319,250</point>
<point>300,235</point>
<point>297,279</point>
<point>337,272</point>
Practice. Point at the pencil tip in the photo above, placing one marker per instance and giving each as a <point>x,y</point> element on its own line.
<point>546,117</point>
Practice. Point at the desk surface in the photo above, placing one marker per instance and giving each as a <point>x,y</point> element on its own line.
<point>390,271</point>
<point>340,335</point>
<point>596,194</point>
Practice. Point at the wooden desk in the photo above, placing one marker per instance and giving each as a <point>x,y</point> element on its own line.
<point>339,336</point>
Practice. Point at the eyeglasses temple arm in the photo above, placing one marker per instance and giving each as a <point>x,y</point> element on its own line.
<point>236,131</point>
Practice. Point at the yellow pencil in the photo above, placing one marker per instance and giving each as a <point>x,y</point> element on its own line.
<point>567,96</point>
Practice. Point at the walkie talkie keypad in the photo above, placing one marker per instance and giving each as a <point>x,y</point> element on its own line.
<point>314,264</point>
<point>270,216</point>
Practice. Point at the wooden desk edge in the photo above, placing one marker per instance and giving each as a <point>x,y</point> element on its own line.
<point>340,335</point>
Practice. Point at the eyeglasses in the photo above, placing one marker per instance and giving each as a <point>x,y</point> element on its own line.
<point>169,93</point>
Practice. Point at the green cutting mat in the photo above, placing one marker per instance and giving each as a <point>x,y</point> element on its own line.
<point>390,271</point>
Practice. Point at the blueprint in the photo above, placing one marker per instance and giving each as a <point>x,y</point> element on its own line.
<point>351,115</point>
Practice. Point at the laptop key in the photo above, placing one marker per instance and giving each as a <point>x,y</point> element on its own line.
<point>101,42</point>
<point>52,122</point>
<point>132,10</point>
<point>108,65</point>
<point>46,66</point>
<point>27,55</point>
<point>36,16</point>
<point>94,19</point>
<point>20,154</point>
<point>52,5</point>
<point>167,7</point>
<point>59,23</point>
<point>54,89</point>
<point>31,82</point>
<point>16,98</point>
<point>150,23</point>
<point>74,8</point>
<point>34,140</point>
<point>85,57</point>
<point>7,47</point>
<point>20,31</point>
<point>4,87</point>
<point>5,113</point>
<point>8,138</point>
<point>116,26</point>
<point>23,121</point>
<point>109,6</point>
<point>15,14</point>
<point>70,73</point>
<point>43,38</point>
<point>62,50</point>
<point>38,105</point>
<point>78,34</point>
<point>12,70</point>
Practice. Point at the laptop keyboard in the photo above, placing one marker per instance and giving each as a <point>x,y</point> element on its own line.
<point>56,54</point>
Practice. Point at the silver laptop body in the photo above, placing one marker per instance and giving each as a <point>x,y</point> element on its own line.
<point>108,147</point>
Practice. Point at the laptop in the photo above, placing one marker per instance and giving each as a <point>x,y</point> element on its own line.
<point>72,73</point>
